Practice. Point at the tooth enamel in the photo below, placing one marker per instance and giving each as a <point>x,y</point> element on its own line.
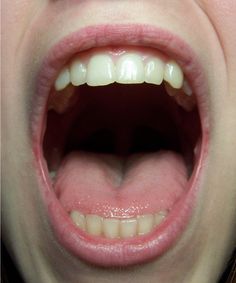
<point>114,228</point>
<point>63,79</point>
<point>187,102</point>
<point>145,224</point>
<point>101,70</point>
<point>186,88</point>
<point>78,219</point>
<point>159,217</point>
<point>130,69</point>
<point>170,90</point>
<point>77,72</point>
<point>94,224</point>
<point>52,174</point>
<point>128,228</point>
<point>154,71</point>
<point>173,74</point>
<point>111,228</point>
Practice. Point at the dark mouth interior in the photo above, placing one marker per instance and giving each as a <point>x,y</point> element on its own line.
<point>121,120</point>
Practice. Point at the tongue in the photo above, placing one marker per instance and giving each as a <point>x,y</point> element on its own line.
<point>111,186</point>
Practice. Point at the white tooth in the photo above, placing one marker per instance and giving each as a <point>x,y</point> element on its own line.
<point>170,90</point>
<point>78,219</point>
<point>94,224</point>
<point>63,79</point>
<point>154,71</point>
<point>128,228</point>
<point>52,174</point>
<point>173,74</point>
<point>130,69</point>
<point>111,228</point>
<point>145,224</point>
<point>101,70</point>
<point>159,217</point>
<point>77,72</point>
<point>185,101</point>
<point>187,89</point>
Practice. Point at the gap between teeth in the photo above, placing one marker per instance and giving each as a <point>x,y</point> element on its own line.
<point>129,68</point>
<point>114,228</point>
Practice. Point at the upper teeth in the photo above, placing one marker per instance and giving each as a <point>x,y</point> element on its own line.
<point>104,68</point>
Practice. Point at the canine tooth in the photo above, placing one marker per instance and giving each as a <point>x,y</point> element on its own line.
<point>78,219</point>
<point>111,228</point>
<point>159,217</point>
<point>186,88</point>
<point>154,71</point>
<point>145,224</point>
<point>101,70</point>
<point>173,74</point>
<point>128,228</point>
<point>77,72</point>
<point>130,69</point>
<point>94,224</point>
<point>63,79</point>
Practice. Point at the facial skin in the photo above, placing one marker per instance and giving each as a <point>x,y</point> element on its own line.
<point>30,29</point>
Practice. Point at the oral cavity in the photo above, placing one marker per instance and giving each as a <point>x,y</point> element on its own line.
<point>120,140</point>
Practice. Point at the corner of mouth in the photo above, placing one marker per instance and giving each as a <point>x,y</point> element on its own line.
<point>98,250</point>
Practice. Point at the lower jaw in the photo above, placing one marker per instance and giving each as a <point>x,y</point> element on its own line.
<point>123,252</point>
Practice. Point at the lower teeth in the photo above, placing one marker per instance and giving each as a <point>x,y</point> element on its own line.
<point>114,228</point>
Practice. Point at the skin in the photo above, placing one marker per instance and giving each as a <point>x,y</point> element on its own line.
<point>30,28</point>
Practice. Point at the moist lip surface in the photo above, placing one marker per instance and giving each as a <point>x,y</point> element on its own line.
<point>60,201</point>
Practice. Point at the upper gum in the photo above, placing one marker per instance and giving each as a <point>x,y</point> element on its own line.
<point>116,52</point>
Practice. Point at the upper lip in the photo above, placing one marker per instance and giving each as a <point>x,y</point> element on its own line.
<point>104,35</point>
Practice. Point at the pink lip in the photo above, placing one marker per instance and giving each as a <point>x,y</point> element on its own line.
<point>102,251</point>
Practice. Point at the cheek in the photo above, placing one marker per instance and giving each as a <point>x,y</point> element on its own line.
<point>16,19</point>
<point>221,14</point>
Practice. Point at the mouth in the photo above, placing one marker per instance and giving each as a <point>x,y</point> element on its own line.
<point>120,138</point>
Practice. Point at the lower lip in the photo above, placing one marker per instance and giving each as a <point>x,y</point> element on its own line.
<point>101,251</point>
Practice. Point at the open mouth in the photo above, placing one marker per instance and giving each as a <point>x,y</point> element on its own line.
<point>122,145</point>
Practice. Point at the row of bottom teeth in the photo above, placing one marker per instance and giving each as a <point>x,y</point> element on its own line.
<point>117,228</point>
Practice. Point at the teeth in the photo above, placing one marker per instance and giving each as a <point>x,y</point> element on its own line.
<point>130,69</point>
<point>94,224</point>
<point>182,96</point>
<point>63,79</point>
<point>77,72</point>
<point>128,228</point>
<point>111,228</point>
<point>173,74</point>
<point>154,71</point>
<point>101,70</point>
<point>78,219</point>
<point>159,217</point>
<point>145,224</point>
<point>114,228</point>
<point>186,88</point>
